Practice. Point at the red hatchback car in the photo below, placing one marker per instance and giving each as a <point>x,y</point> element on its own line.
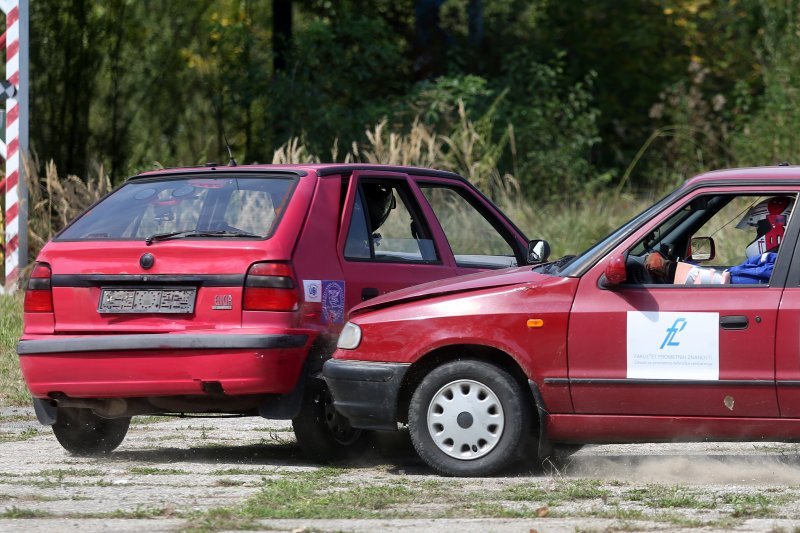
<point>683,324</point>
<point>223,289</point>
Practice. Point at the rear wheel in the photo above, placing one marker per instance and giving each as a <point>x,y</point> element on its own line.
<point>324,434</point>
<point>81,432</point>
<point>469,418</point>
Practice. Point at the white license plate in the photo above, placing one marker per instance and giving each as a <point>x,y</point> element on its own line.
<point>147,301</point>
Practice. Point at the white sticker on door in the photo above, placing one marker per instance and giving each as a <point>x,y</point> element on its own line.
<point>673,345</point>
<point>313,290</point>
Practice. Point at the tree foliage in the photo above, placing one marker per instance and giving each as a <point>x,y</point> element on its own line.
<point>571,96</point>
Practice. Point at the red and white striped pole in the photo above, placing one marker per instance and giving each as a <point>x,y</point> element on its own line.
<point>16,140</point>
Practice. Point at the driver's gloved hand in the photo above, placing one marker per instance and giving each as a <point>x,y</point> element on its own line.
<point>660,267</point>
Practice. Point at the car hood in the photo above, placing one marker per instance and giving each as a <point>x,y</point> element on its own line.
<point>465,283</point>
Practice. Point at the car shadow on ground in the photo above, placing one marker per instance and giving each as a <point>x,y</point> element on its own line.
<point>392,450</point>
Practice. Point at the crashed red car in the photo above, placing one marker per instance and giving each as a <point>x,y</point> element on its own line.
<point>223,289</point>
<point>683,324</point>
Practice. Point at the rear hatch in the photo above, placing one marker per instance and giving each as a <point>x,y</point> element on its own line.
<point>172,252</point>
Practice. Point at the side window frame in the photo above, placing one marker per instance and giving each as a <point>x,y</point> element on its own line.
<point>468,196</point>
<point>403,189</point>
<point>782,274</point>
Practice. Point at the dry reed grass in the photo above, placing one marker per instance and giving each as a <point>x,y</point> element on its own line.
<point>54,200</point>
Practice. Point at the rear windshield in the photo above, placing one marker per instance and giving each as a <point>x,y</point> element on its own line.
<point>239,206</point>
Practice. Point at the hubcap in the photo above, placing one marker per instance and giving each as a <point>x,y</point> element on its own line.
<point>465,419</point>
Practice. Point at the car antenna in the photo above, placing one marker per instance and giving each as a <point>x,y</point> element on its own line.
<point>232,162</point>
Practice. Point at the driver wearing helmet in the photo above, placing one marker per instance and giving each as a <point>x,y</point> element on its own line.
<point>769,218</point>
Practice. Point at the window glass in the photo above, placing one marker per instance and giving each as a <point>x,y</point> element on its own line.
<point>384,226</point>
<point>473,239</point>
<point>140,209</point>
<point>714,239</point>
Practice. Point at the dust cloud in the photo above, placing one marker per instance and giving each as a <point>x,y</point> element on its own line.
<point>775,465</point>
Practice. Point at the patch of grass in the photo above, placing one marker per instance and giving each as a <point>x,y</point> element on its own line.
<point>749,505</point>
<point>219,520</point>
<point>237,472</point>
<point>227,482</point>
<point>146,420</point>
<point>25,434</point>
<point>149,470</point>
<point>12,387</point>
<point>305,498</point>
<point>72,472</point>
<point>666,497</point>
<point>17,512</point>
<point>573,489</point>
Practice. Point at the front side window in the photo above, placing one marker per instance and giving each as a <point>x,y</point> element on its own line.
<point>225,205</point>
<point>714,240</point>
<point>473,239</point>
<point>385,226</point>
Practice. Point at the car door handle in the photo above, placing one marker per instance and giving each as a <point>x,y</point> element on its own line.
<point>733,322</point>
<point>368,292</point>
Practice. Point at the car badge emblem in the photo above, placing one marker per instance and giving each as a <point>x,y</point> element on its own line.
<point>147,261</point>
<point>222,301</point>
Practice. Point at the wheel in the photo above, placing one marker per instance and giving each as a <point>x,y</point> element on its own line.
<point>469,418</point>
<point>322,432</point>
<point>81,432</point>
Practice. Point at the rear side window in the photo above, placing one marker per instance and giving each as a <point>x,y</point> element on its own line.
<point>247,206</point>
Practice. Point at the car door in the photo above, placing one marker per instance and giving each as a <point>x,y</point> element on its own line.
<point>386,242</point>
<point>673,349</point>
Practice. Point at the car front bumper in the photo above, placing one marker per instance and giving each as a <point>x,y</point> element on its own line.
<point>114,366</point>
<point>366,393</point>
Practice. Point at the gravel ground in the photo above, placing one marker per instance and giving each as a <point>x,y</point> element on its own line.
<point>246,473</point>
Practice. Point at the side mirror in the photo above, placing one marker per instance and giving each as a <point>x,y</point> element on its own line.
<point>702,249</point>
<point>538,251</point>
<point>616,272</point>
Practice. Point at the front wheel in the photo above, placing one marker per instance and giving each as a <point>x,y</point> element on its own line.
<point>324,434</point>
<point>469,418</point>
<point>81,432</point>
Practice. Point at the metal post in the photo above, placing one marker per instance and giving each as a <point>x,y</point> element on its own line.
<point>16,140</point>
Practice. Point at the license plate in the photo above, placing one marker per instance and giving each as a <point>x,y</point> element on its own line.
<point>147,301</point>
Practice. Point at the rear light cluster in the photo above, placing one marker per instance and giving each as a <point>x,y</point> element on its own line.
<point>270,287</point>
<point>39,294</point>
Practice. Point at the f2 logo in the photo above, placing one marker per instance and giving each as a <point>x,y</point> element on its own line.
<point>677,327</point>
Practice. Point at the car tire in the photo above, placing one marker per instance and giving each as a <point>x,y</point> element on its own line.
<point>324,434</point>
<point>469,418</point>
<point>81,432</point>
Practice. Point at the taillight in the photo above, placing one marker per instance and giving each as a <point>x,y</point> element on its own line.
<point>39,295</point>
<point>270,287</point>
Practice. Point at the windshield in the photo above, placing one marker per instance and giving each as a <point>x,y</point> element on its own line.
<point>577,265</point>
<point>222,206</point>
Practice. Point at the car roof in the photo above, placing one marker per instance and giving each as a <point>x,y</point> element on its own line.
<point>320,169</point>
<point>747,176</point>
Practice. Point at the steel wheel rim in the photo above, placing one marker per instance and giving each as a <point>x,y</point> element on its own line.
<point>339,426</point>
<point>465,419</point>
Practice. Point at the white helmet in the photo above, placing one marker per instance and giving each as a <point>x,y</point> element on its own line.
<point>769,217</point>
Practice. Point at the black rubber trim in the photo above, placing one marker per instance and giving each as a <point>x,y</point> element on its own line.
<point>349,169</point>
<point>139,342</point>
<point>46,411</point>
<point>217,169</point>
<point>270,282</point>
<point>97,280</point>
<point>366,393</point>
<point>39,284</point>
<point>606,381</point>
<point>545,448</point>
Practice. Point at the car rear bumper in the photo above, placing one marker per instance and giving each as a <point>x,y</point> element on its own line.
<point>366,393</point>
<point>120,366</point>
